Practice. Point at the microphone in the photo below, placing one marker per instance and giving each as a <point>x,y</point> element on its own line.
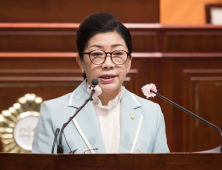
<point>95,82</point>
<point>149,89</point>
<point>94,87</point>
<point>60,146</point>
<point>56,135</point>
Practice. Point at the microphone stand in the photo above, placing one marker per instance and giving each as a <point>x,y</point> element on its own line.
<point>60,146</point>
<point>55,138</point>
<point>192,114</point>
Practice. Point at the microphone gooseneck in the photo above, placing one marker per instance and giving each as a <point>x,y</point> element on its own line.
<point>55,138</point>
<point>189,112</point>
<point>90,150</point>
<point>60,146</point>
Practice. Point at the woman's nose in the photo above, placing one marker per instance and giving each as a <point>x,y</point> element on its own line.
<point>108,63</point>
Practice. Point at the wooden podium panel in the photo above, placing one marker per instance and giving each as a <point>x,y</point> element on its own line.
<point>10,161</point>
<point>173,161</point>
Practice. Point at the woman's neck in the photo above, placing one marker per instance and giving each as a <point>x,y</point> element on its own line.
<point>105,97</point>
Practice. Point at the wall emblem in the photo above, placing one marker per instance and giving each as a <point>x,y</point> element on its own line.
<point>17,124</point>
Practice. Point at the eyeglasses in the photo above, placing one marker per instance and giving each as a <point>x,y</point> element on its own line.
<point>98,57</point>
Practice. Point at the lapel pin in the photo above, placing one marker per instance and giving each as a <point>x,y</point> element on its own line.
<point>132,116</point>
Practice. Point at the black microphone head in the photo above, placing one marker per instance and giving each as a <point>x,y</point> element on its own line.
<point>95,82</point>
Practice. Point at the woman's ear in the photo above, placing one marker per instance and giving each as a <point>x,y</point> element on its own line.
<point>79,61</point>
<point>129,64</point>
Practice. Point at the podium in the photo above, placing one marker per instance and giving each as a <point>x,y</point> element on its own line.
<point>169,161</point>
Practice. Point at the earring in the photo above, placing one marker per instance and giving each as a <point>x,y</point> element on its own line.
<point>127,72</point>
<point>82,71</point>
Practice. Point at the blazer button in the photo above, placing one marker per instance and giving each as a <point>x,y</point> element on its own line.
<point>139,150</point>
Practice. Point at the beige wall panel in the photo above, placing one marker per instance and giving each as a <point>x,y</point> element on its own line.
<point>184,12</point>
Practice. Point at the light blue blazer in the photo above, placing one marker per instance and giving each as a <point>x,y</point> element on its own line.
<point>143,134</point>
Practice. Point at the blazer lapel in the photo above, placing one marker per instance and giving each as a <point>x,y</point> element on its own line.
<point>131,121</point>
<point>86,120</point>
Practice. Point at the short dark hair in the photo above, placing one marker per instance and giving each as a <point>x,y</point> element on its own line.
<point>100,23</point>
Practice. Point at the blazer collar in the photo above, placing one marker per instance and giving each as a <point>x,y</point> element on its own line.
<point>87,123</point>
<point>79,95</point>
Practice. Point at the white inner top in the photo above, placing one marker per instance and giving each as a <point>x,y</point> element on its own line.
<point>109,121</point>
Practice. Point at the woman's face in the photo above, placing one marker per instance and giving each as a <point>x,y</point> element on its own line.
<point>110,76</point>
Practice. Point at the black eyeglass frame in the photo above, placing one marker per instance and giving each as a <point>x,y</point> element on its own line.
<point>128,56</point>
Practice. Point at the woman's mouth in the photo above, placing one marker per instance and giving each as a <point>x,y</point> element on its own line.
<point>107,78</point>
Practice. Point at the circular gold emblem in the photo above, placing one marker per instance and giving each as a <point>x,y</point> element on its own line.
<point>17,124</point>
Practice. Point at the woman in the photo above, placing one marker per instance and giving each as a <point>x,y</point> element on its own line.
<point>117,121</point>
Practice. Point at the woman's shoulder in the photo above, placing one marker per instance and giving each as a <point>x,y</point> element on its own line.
<point>144,102</point>
<point>59,100</point>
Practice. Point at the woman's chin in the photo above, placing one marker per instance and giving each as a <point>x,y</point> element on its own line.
<point>110,88</point>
